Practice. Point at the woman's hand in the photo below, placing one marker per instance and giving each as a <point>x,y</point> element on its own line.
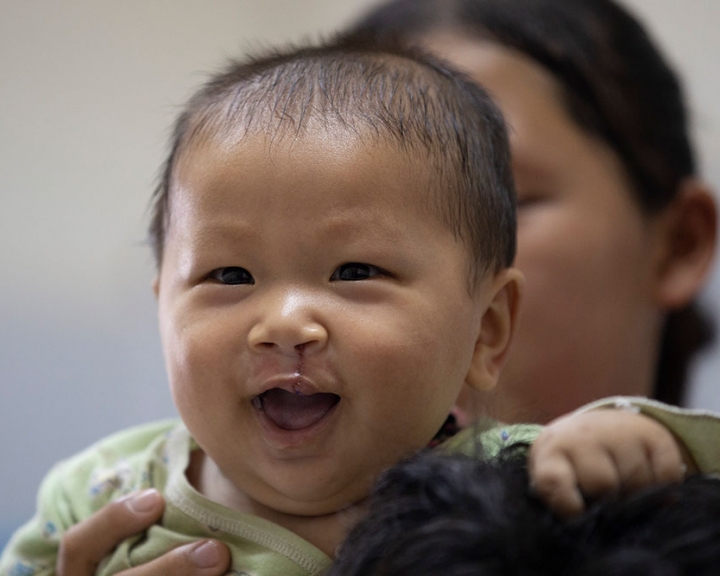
<point>85,545</point>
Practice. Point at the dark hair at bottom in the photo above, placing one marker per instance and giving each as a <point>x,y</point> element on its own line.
<point>457,516</point>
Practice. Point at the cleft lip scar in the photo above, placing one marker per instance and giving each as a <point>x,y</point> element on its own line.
<point>294,383</point>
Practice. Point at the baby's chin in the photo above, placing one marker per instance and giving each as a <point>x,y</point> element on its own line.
<point>309,497</point>
<point>308,491</point>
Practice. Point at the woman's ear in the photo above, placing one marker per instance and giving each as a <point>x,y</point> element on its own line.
<point>688,229</point>
<point>156,286</point>
<point>497,327</point>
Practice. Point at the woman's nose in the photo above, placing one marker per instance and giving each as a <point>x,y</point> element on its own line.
<point>288,323</point>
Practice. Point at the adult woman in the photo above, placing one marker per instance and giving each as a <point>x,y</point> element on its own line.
<point>616,234</point>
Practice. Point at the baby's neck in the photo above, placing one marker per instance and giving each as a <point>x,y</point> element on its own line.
<point>324,532</point>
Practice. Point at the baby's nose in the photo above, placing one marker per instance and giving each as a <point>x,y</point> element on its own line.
<point>289,323</point>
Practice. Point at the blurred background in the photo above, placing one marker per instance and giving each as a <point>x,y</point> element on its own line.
<point>88,89</point>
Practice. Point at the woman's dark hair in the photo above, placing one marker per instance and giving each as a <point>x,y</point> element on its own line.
<point>616,85</point>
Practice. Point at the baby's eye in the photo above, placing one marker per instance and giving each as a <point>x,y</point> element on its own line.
<point>353,271</point>
<point>232,275</point>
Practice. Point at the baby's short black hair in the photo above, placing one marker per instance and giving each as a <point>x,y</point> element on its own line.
<point>379,93</point>
<point>459,516</point>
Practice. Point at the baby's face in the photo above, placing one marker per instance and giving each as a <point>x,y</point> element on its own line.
<point>315,315</point>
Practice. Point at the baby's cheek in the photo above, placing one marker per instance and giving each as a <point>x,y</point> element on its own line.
<point>196,356</point>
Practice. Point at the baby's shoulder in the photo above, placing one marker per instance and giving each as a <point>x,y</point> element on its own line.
<point>129,442</point>
<point>488,438</point>
<point>75,488</point>
<point>126,461</point>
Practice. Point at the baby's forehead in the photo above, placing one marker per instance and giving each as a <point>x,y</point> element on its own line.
<point>349,183</point>
<point>363,166</point>
<point>320,143</point>
<point>345,155</point>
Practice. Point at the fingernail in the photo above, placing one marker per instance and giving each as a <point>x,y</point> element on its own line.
<point>206,555</point>
<point>144,501</point>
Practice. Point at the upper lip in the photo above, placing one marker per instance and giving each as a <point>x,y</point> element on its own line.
<point>294,383</point>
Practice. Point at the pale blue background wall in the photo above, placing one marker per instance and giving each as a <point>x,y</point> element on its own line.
<point>88,89</point>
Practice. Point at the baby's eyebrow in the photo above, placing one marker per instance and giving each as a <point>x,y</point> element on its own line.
<point>199,240</point>
<point>225,228</point>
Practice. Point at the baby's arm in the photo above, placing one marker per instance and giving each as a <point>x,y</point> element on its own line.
<point>602,453</point>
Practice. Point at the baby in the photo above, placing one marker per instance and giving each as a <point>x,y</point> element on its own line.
<point>334,233</point>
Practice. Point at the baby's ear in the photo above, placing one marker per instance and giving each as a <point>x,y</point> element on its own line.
<point>496,330</point>
<point>687,231</point>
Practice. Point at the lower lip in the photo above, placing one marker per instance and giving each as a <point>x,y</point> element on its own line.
<point>283,439</point>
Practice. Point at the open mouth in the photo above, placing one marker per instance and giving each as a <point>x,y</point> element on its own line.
<point>291,411</point>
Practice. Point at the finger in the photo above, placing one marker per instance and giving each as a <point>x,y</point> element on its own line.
<point>204,558</point>
<point>597,473</point>
<point>633,463</point>
<point>643,451</point>
<point>666,460</point>
<point>656,458</point>
<point>553,480</point>
<point>85,544</point>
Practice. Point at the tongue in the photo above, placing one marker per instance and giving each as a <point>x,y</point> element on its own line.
<point>293,411</point>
